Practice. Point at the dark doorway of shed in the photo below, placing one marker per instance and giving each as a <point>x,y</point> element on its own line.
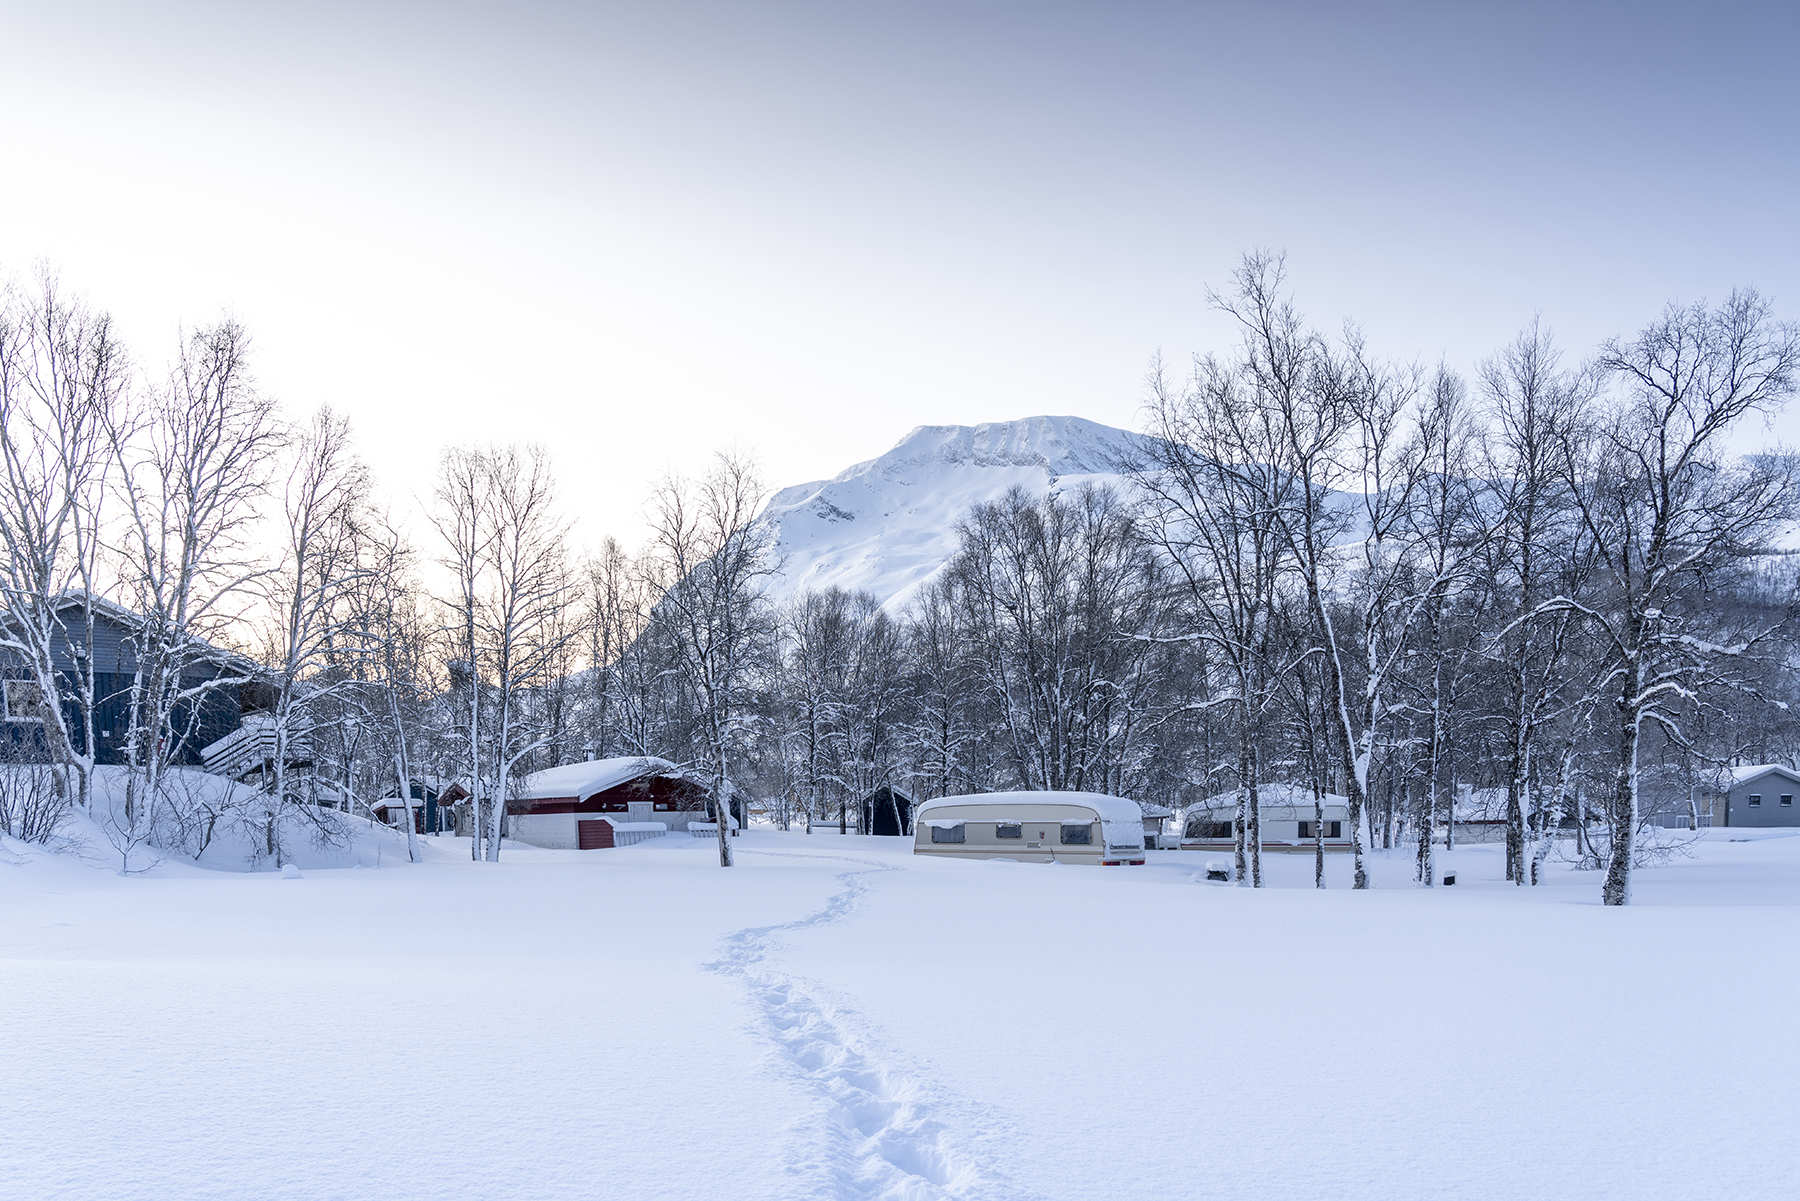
<point>887,811</point>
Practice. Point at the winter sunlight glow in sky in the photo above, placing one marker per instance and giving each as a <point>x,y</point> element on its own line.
<point>638,233</point>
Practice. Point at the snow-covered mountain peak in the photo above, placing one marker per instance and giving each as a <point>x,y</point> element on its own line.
<point>888,524</point>
<point>1058,445</point>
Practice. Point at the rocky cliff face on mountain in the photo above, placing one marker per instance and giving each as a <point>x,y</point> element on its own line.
<point>886,526</point>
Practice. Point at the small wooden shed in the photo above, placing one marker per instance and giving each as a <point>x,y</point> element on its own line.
<point>887,811</point>
<point>426,815</point>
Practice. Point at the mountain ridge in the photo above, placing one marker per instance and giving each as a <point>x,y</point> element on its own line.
<point>887,525</point>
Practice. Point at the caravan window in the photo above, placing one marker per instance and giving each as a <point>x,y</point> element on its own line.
<point>1077,835</point>
<point>1332,829</point>
<point>947,834</point>
<point>1009,830</point>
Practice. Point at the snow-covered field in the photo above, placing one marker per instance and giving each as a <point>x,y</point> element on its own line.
<point>837,1019</point>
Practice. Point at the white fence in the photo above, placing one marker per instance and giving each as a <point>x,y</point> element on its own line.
<point>627,833</point>
<point>708,829</point>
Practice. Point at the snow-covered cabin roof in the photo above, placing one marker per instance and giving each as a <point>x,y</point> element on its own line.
<point>583,780</point>
<point>1743,775</point>
<point>116,630</point>
<point>1270,796</point>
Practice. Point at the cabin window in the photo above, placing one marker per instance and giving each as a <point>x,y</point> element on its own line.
<point>1787,798</point>
<point>947,833</point>
<point>1332,829</point>
<point>1755,797</point>
<point>1009,830</point>
<point>1078,835</point>
<point>22,698</point>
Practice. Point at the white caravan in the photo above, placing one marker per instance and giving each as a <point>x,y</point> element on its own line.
<point>1032,827</point>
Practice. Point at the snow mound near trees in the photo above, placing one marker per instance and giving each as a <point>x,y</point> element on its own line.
<point>185,833</point>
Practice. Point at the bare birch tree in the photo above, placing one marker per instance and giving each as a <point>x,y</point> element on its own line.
<point>817,636</point>
<point>1213,496</point>
<point>461,520</point>
<point>1446,526</point>
<point>189,488</point>
<point>523,631</point>
<point>310,596</point>
<point>393,628</point>
<point>63,379</point>
<point>1670,512</point>
<point>1536,550</point>
<point>711,556</point>
<point>1308,395</point>
<point>940,728</point>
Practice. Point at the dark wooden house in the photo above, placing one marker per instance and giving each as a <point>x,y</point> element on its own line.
<point>214,713</point>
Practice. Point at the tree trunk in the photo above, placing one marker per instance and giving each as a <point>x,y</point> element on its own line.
<point>475,809</point>
<point>722,806</point>
<point>1239,828</point>
<point>1622,812</point>
<point>1515,823</point>
<point>412,842</point>
<point>1318,836</point>
<point>1253,836</point>
<point>1424,867</point>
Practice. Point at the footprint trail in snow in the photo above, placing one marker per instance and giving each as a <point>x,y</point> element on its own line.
<point>889,1134</point>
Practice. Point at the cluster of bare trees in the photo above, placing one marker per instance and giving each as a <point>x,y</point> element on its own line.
<point>1323,572</point>
<point>147,492</point>
<point>1558,583</point>
<point>1550,583</point>
<point>174,555</point>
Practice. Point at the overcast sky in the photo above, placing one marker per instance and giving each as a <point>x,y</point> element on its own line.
<point>638,233</point>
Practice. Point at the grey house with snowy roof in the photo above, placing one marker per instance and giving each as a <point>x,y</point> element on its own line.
<point>1762,796</point>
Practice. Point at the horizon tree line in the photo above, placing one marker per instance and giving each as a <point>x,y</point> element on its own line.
<point>1323,573</point>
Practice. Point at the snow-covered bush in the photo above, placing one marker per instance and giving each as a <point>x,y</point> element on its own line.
<point>33,802</point>
<point>226,825</point>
